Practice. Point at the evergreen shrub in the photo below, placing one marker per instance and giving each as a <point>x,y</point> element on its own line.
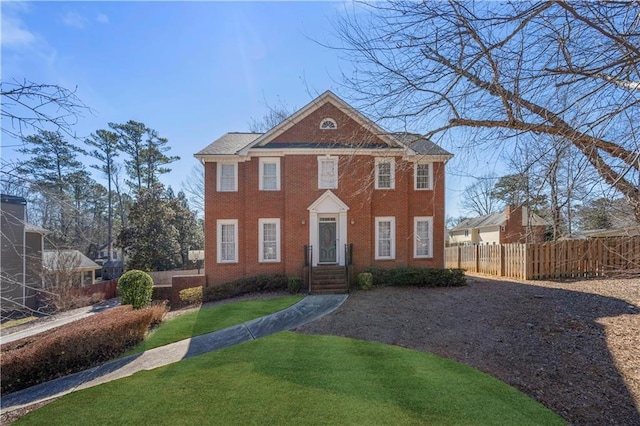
<point>421,277</point>
<point>365,280</point>
<point>294,284</point>
<point>258,283</point>
<point>135,288</point>
<point>191,296</point>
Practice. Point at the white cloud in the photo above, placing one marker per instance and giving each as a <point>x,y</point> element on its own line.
<point>15,34</point>
<point>73,19</point>
<point>102,18</point>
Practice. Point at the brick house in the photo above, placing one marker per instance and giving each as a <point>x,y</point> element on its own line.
<point>513,225</point>
<point>326,187</point>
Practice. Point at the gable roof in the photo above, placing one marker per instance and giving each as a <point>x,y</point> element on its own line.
<point>303,112</point>
<point>493,219</point>
<point>35,229</point>
<point>229,144</point>
<point>56,260</point>
<point>420,144</point>
<point>239,143</point>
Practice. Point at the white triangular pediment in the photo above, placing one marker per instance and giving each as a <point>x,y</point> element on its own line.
<point>305,111</point>
<point>328,203</point>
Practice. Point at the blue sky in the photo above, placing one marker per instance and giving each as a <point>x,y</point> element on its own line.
<point>190,70</point>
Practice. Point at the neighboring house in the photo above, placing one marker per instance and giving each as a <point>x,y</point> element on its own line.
<point>103,252</point>
<point>513,225</point>
<point>21,256</point>
<point>323,179</point>
<point>110,268</point>
<point>64,267</point>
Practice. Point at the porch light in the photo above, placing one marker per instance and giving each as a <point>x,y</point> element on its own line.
<point>353,221</point>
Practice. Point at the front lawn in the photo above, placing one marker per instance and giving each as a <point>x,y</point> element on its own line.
<point>213,318</point>
<point>290,378</point>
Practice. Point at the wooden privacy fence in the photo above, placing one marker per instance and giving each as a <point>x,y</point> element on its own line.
<point>562,259</point>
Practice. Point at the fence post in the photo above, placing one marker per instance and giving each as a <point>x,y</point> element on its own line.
<point>527,265</point>
<point>476,253</point>
<point>501,271</point>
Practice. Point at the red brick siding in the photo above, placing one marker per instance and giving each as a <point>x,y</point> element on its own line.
<point>308,129</point>
<point>514,232</point>
<point>299,189</point>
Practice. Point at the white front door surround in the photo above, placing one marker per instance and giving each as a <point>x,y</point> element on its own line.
<point>328,205</point>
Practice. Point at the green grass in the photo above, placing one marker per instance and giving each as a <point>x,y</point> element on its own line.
<point>290,378</point>
<point>210,319</point>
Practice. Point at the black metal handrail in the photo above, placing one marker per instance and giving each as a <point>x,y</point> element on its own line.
<point>348,259</point>
<point>308,261</point>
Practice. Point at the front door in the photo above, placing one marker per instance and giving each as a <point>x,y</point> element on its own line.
<point>327,238</point>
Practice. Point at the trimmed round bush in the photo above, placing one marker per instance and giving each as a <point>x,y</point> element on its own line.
<point>135,289</point>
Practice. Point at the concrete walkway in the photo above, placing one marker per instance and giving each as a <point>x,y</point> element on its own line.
<point>308,309</point>
<point>44,324</point>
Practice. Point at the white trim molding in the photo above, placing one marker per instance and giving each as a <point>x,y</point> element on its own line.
<point>219,168</point>
<point>272,255</point>
<point>392,172</point>
<point>325,183</point>
<point>423,237</point>
<point>416,167</point>
<point>262,162</point>
<point>382,250</point>
<point>222,254</point>
<point>328,205</point>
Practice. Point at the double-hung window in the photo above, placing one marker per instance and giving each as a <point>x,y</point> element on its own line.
<point>422,176</point>
<point>227,240</point>
<point>269,240</point>
<point>385,238</point>
<point>423,237</point>
<point>385,173</point>
<point>227,177</point>
<point>327,172</point>
<point>269,174</point>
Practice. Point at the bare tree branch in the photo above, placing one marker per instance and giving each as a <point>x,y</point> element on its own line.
<point>29,106</point>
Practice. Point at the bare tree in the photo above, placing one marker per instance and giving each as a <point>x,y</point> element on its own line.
<point>29,106</point>
<point>194,188</point>
<point>274,116</point>
<point>508,69</point>
<point>477,198</point>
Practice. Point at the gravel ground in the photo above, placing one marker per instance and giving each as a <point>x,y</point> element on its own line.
<point>572,345</point>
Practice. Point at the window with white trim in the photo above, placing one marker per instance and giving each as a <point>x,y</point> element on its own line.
<point>385,173</point>
<point>422,176</point>
<point>227,177</point>
<point>269,240</point>
<point>423,237</point>
<point>269,174</point>
<point>385,238</point>
<point>328,124</point>
<point>227,236</point>
<point>327,172</point>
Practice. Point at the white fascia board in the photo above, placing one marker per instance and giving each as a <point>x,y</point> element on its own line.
<point>424,158</point>
<point>210,158</point>
<point>260,152</point>
<point>327,96</point>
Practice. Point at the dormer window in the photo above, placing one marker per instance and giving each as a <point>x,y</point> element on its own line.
<point>328,124</point>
